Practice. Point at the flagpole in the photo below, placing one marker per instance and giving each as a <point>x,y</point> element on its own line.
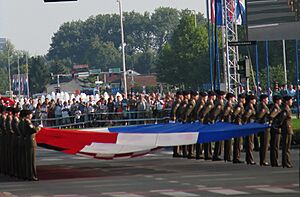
<point>209,45</point>
<point>268,69</point>
<point>19,78</point>
<point>297,78</point>
<point>27,74</point>
<point>256,67</point>
<point>213,48</point>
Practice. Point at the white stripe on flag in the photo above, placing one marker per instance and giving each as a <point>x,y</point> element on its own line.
<point>159,139</point>
<point>174,139</point>
<point>110,149</point>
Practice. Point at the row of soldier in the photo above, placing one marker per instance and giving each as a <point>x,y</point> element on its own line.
<point>17,144</point>
<point>211,107</point>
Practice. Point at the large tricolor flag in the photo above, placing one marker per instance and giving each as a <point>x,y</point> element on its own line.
<point>134,141</point>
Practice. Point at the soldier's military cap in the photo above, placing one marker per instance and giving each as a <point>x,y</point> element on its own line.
<point>15,110</point>
<point>286,98</point>
<point>221,93</point>
<point>251,97</point>
<point>203,94</point>
<point>211,93</point>
<point>194,93</point>
<point>26,112</point>
<point>263,96</point>
<point>242,96</point>
<point>229,95</point>
<point>185,92</point>
<point>22,114</point>
<point>9,109</point>
<point>277,97</point>
<point>179,93</point>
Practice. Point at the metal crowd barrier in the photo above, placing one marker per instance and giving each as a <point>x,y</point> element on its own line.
<point>105,119</point>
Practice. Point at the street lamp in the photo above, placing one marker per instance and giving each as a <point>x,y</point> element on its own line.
<point>123,46</point>
<point>195,16</point>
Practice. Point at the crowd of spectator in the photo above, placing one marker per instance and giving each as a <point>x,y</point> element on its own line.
<point>63,110</point>
<point>87,111</point>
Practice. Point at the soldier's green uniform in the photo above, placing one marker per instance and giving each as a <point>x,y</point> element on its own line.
<point>2,135</point>
<point>209,106</point>
<point>174,117</point>
<point>227,117</point>
<point>189,117</point>
<point>9,145</point>
<point>287,132</point>
<point>30,146</point>
<point>275,131</point>
<point>238,112</point>
<point>249,116</point>
<point>197,113</point>
<point>23,161</point>
<point>263,118</point>
<point>16,142</point>
<point>215,116</point>
<point>181,113</point>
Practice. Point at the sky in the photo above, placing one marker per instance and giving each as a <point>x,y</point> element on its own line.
<point>30,24</point>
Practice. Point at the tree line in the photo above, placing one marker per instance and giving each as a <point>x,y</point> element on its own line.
<point>168,42</point>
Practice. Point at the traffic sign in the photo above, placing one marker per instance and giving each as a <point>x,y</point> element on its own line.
<point>242,43</point>
<point>95,71</point>
<point>114,70</point>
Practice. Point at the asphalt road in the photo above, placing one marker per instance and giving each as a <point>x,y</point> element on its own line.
<point>157,174</point>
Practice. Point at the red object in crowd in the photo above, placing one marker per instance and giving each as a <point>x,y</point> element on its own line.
<point>8,102</point>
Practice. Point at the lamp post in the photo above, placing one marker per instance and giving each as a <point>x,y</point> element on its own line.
<point>123,46</point>
<point>9,76</point>
<point>195,16</point>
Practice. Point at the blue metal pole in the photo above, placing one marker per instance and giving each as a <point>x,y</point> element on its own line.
<point>213,49</point>
<point>217,62</point>
<point>297,78</point>
<point>256,67</point>
<point>209,44</point>
<point>268,69</point>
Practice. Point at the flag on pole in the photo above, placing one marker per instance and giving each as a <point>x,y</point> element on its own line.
<point>240,12</point>
<point>216,12</point>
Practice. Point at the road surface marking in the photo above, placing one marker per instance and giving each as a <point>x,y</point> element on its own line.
<point>228,192</point>
<point>257,186</point>
<point>173,181</point>
<point>177,193</point>
<point>205,175</point>
<point>122,194</point>
<point>277,190</point>
<point>51,159</point>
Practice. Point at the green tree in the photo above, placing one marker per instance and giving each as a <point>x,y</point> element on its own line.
<point>184,59</point>
<point>276,75</point>
<point>39,74</point>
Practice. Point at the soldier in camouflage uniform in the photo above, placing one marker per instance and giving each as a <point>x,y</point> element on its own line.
<point>227,117</point>
<point>215,116</point>
<point>206,119</point>
<point>275,130</point>
<point>182,117</point>
<point>197,113</point>
<point>188,117</point>
<point>262,117</point>
<point>238,112</point>
<point>2,138</point>
<point>16,142</point>
<point>9,145</point>
<point>287,131</point>
<point>248,117</point>
<point>174,117</point>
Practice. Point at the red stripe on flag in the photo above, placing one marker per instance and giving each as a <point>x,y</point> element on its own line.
<point>72,141</point>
